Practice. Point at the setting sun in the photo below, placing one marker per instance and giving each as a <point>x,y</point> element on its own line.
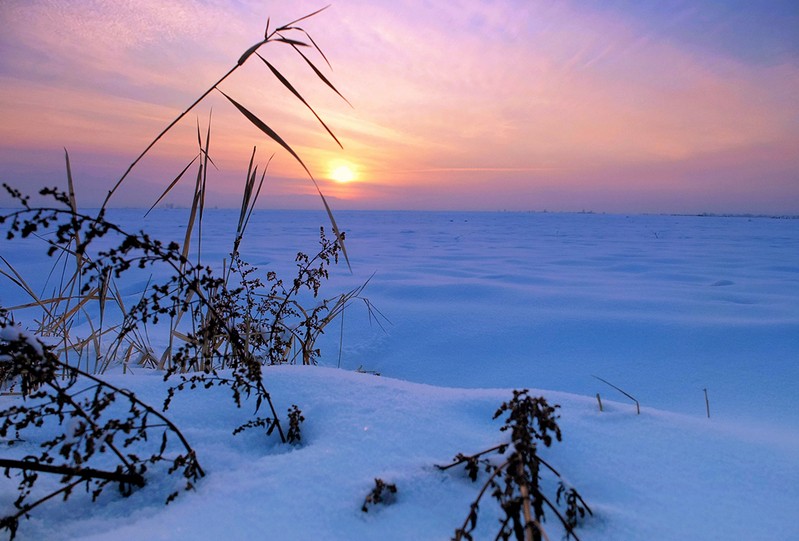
<point>342,173</point>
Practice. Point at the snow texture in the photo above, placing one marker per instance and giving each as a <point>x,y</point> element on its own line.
<point>479,304</point>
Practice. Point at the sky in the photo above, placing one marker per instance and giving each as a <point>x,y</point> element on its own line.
<point>612,106</point>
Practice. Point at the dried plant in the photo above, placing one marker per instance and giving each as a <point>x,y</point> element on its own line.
<point>60,309</point>
<point>622,391</point>
<point>222,327</point>
<point>232,329</point>
<point>382,492</point>
<point>296,418</point>
<point>515,483</point>
<point>293,36</point>
<point>107,436</point>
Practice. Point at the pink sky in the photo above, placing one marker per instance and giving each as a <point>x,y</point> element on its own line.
<point>609,106</point>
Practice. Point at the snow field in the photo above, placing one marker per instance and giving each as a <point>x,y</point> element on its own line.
<point>655,476</point>
<point>479,304</point>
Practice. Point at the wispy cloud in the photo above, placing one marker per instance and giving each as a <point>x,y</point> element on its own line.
<point>517,94</point>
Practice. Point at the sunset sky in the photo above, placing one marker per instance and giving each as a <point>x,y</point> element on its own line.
<point>609,106</point>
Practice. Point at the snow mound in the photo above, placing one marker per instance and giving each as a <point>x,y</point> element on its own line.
<point>652,476</point>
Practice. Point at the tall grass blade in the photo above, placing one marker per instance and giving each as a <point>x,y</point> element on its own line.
<point>292,42</point>
<point>252,161</point>
<point>192,218</point>
<point>336,230</point>
<point>172,185</point>
<point>65,317</point>
<point>73,204</point>
<point>248,204</point>
<point>169,127</point>
<point>245,201</point>
<point>204,151</point>
<point>248,53</point>
<point>17,278</point>
<point>294,91</point>
<point>206,159</point>
<point>95,341</point>
<point>102,293</point>
<point>70,184</point>
<point>318,49</point>
<point>243,58</point>
<point>257,193</point>
<point>38,303</point>
<point>258,123</point>
<point>321,75</point>
<point>288,26</point>
<point>261,125</point>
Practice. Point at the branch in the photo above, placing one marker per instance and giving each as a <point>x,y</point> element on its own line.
<point>83,473</point>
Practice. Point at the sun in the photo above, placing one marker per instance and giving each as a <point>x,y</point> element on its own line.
<point>342,173</point>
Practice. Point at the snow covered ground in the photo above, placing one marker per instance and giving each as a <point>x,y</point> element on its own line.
<point>479,304</point>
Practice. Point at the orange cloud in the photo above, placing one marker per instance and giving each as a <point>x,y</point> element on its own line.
<point>493,100</point>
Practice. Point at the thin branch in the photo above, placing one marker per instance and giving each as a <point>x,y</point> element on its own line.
<point>84,473</point>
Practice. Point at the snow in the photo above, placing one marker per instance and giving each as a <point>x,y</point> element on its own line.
<point>13,333</point>
<point>479,304</point>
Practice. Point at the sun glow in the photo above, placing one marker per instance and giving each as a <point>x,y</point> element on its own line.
<point>342,172</point>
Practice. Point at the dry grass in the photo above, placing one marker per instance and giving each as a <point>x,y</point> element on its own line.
<point>110,335</point>
<point>82,326</point>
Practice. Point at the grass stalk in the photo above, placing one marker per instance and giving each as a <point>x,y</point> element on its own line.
<point>625,393</point>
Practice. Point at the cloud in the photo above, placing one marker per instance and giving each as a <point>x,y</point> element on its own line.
<point>451,92</point>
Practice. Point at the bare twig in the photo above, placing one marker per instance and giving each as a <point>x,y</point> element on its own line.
<point>625,393</point>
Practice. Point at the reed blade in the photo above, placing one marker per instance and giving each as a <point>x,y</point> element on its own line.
<point>192,217</point>
<point>318,49</point>
<point>248,53</point>
<point>293,42</point>
<point>288,26</point>
<point>258,123</point>
<point>73,204</point>
<point>172,185</point>
<point>294,91</point>
<point>321,76</point>
<point>261,125</point>
<point>257,193</point>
